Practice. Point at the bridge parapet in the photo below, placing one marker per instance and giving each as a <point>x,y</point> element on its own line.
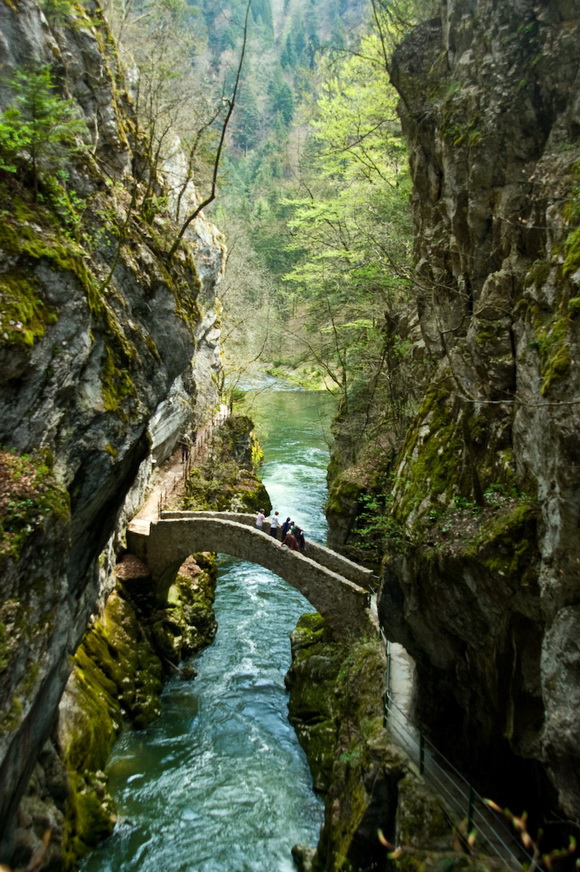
<point>343,603</point>
<point>320,553</point>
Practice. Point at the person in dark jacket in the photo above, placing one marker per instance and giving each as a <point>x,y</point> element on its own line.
<point>285,527</point>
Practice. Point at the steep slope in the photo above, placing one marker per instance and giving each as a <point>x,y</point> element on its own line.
<point>108,351</point>
<point>477,513</point>
<point>481,579</point>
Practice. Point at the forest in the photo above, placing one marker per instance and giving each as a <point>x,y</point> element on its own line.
<point>374,201</point>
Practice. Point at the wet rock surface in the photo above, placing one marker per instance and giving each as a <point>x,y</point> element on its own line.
<point>115,351</point>
<point>481,581</point>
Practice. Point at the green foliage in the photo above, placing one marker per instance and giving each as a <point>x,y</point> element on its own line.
<point>29,496</point>
<point>58,11</point>
<point>572,253</point>
<point>282,101</point>
<point>375,528</point>
<point>351,232</point>
<point>24,313</point>
<point>39,130</point>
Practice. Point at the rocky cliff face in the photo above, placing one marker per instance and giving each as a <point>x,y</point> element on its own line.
<point>108,350</point>
<point>476,515</point>
<point>481,580</point>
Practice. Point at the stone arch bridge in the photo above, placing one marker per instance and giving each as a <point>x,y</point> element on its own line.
<point>336,587</point>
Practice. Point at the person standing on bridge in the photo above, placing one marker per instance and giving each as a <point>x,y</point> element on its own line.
<point>291,542</point>
<point>299,536</point>
<point>285,527</point>
<point>274,524</point>
<point>260,518</point>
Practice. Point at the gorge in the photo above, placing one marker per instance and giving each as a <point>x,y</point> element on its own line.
<point>454,470</point>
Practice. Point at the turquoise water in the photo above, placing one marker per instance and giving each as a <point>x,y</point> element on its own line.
<point>219,781</point>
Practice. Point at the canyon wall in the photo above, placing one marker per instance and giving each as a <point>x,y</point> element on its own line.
<point>481,582</point>
<point>476,514</point>
<point>109,349</point>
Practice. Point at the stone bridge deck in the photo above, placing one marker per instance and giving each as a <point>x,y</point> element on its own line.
<point>336,587</point>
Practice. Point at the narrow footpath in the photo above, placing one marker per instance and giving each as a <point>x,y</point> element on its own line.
<point>168,482</point>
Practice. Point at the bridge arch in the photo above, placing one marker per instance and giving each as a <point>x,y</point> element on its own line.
<point>342,602</point>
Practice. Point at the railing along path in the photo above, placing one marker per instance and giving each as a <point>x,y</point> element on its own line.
<point>468,810</point>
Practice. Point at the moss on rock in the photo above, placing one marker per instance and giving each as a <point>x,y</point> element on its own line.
<point>116,674</point>
<point>187,625</point>
<point>29,496</point>
<point>507,543</point>
<point>336,709</point>
<point>24,313</point>
<point>226,479</point>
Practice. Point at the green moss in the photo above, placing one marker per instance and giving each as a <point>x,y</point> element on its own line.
<point>93,815</point>
<point>30,496</point>
<point>552,337</point>
<point>432,467</point>
<point>558,366</point>
<point>257,453</point>
<point>115,674</point>
<point>187,625</point>
<point>538,273</point>
<point>32,231</point>
<point>226,480</point>
<point>506,545</point>
<point>11,716</point>
<point>344,490</point>
<point>489,331</point>
<point>24,315</point>
<point>117,385</point>
<point>336,709</point>
<point>5,647</point>
<point>571,253</point>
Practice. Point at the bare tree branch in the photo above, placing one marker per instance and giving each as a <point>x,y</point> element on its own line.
<point>231,103</point>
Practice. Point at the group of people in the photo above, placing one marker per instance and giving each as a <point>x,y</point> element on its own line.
<point>290,533</point>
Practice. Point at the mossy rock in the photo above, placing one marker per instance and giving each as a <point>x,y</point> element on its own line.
<point>344,493</point>
<point>30,496</point>
<point>507,543</point>
<point>421,818</point>
<point>24,313</point>
<point>227,480</point>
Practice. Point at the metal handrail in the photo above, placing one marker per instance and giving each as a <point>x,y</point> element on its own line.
<point>461,798</point>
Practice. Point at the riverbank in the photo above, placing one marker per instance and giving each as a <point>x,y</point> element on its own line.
<point>134,644</point>
<point>219,781</point>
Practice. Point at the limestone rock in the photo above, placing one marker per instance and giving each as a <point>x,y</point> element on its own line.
<point>481,581</point>
<point>114,351</point>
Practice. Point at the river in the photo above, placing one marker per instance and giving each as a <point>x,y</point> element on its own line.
<point>219,782</point>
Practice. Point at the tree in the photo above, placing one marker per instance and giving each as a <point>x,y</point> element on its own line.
<point>39,129</point>
<point>247,123</point>
<point>352,225</point>
<point>288,56</point>
<point>229,104</point>
<point>283,102</point>
<point>247,287</point>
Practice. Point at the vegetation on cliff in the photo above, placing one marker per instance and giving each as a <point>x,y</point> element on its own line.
<point>29,497</point>
<point>373,799</point>
<point>225,479</point>
<point>472,511</point>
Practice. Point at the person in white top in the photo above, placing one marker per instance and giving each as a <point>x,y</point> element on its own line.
<point>274,524</point>
<point>260,518</point>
